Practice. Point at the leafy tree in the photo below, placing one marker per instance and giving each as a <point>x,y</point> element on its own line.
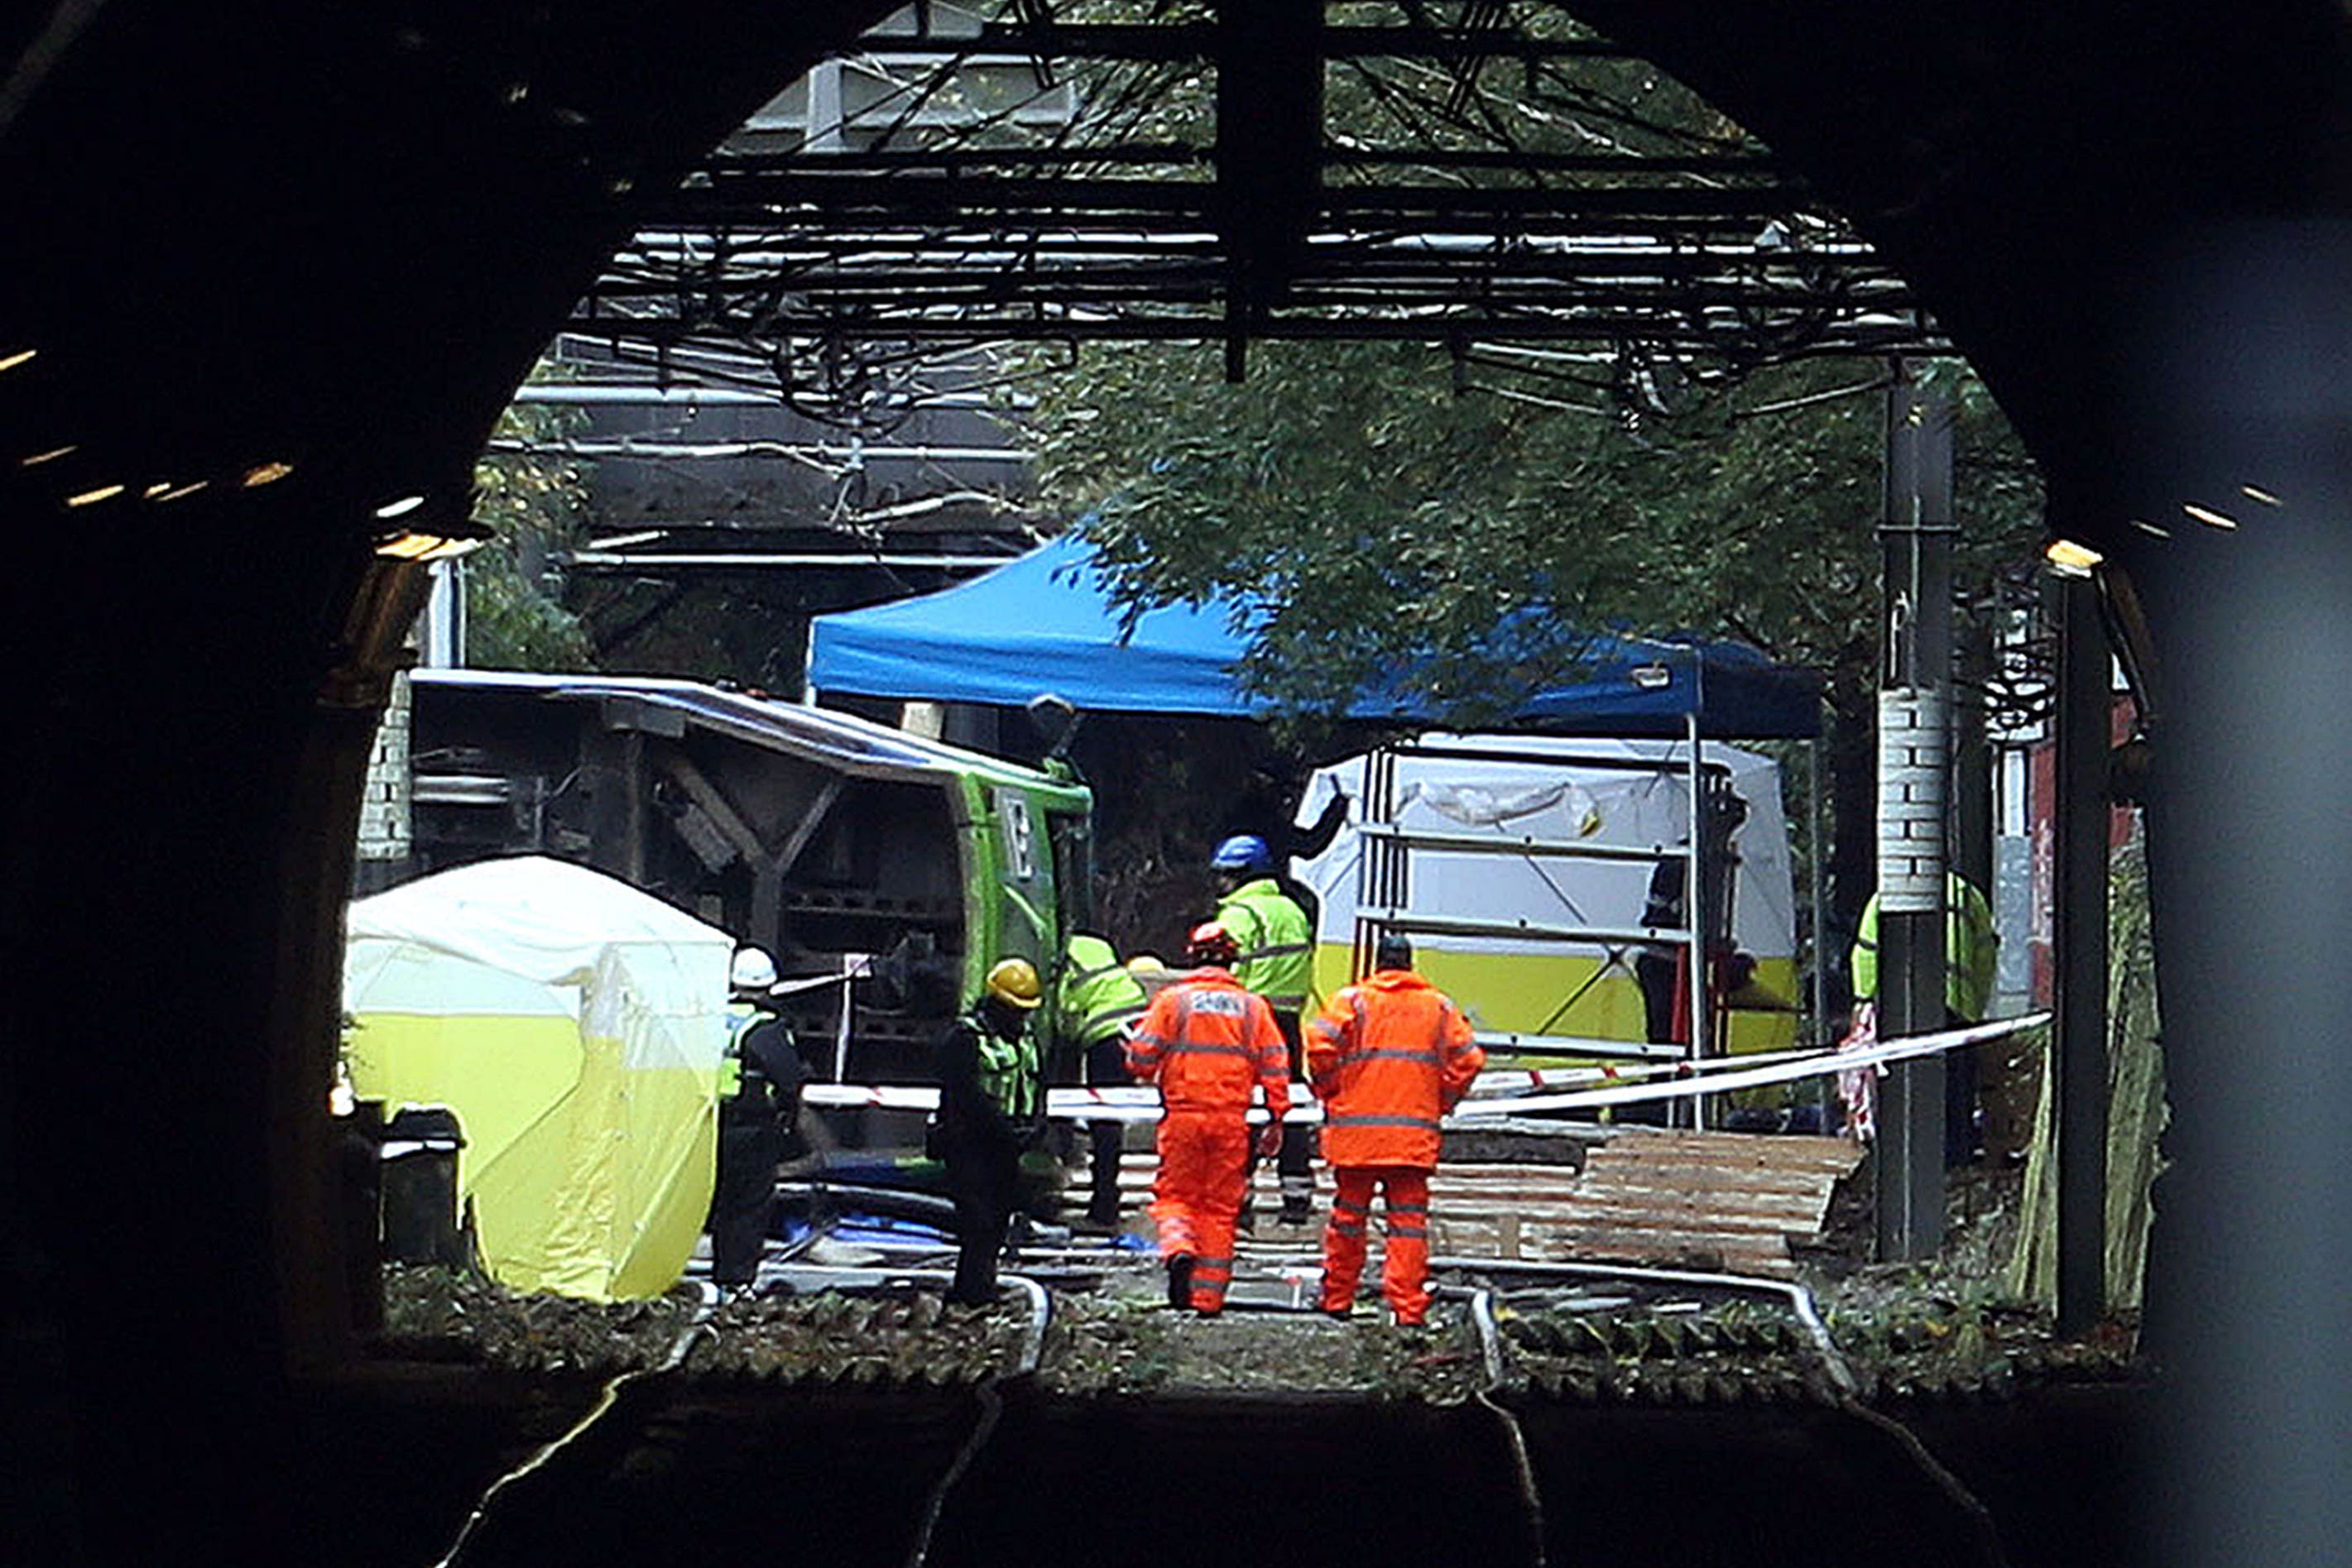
<point>1368,508</point>
<point>532,503</point>
<point>1376,511</point>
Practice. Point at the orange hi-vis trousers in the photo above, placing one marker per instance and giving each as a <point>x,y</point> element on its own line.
<point>1204,1165</point>
<point>1405,1272</point>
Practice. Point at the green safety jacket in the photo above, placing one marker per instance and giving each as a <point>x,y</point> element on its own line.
<point>1095,997</point>
<point>1970,949</point>
<point>1008,1073</point>
<point>1277,958</point>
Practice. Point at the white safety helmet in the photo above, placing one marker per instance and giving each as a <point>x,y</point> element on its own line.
<point>754,970</point>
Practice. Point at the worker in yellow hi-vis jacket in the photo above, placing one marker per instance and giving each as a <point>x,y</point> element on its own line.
<point>1970,948</point>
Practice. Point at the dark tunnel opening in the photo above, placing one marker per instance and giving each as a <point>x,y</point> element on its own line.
<point>331,246</point>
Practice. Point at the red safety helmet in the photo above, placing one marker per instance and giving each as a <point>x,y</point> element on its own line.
<point>1212,944</point>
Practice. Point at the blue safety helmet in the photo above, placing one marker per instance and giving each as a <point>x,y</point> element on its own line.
<point>1242,852</point>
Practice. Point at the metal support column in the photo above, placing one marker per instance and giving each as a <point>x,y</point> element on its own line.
<point>1914,774</point>
<point>2079,1041</point>
<point>1697,916</point>
<point>1824,1031</point>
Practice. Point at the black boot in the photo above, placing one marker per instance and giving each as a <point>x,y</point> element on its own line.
<point>1180,1281</point>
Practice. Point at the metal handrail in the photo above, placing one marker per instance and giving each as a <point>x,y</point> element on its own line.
<point>1579,1045</point>
<point>1553,760</point>
<point>1400,919</point>
<point>1498,845</point>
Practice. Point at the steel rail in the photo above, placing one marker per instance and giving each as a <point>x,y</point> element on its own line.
<point>1799,1300</point>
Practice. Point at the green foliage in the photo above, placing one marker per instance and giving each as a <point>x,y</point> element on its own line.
<point>532,503</point>
<point>1373,505</point>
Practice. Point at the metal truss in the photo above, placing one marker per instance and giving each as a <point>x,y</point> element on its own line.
<point>1473,174</point>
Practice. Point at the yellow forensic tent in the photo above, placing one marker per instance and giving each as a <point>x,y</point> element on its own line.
<point>575,1026</point>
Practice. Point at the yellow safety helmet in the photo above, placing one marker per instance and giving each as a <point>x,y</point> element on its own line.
<point>1013,982</point>
<point>1144,964</point>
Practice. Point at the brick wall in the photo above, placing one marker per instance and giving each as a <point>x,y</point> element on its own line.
<point>384,813</point>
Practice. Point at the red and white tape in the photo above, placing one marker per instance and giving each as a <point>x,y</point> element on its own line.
<point>1498,1094</point>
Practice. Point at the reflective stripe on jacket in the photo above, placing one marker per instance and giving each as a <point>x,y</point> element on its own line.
<point>1278,950</point>
<point>1096,996</point>
<point>1389,1056</point>
<point>1206,1041</point>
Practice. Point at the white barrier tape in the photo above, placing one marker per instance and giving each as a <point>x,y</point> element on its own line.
<point>872,1096</point>
<point>1718,1075</point>
<point>815,983</point>
<point>1514,1080</point>
<point>1503,1082</point>
<point>1813,1064</point>
<point>1138,1104</point>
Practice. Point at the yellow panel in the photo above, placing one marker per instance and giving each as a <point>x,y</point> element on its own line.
<point>1523,993</point>
<point>585,1178</point>
<point>566,1195</point>
<point>673,1129</point>
<point>500,1074</point>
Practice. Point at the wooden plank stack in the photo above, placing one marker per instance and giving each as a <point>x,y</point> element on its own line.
<point>1705,1201</point>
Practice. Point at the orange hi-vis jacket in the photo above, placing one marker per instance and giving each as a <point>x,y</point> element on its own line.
<point>1389,1056</point>
<point>1207,1042</point>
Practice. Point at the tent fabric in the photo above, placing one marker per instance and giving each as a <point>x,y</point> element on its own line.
<point>1563,791</point>
<point>575,1026</point>
<point>1045,623</point>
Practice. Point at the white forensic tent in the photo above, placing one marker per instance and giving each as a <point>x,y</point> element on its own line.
<point>575,1026</point>
<point>1535,986</point>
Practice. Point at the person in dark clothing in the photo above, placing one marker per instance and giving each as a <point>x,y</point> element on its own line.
<point>1658,967</point>
<point>991,1105</point>
<point>1662,969</point>
<point>1265,810</point>
<point>760,1083</point>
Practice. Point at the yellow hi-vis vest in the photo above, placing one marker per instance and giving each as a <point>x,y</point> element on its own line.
<point>1277,958</point>
<point>740,1018</point>
<point>1096,996</point>
<point>1969,946</point>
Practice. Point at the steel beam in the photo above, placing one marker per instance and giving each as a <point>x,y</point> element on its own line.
<point>809,187</point>
<point>1435,326</point>
<point>1064,42</point>
<point>2078,1072</point>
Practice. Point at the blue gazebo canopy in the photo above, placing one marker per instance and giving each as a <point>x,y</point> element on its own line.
<point>1045,623</point>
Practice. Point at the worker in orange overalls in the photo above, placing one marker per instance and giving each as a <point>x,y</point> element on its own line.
<point>1388,1056</point>
<point>1207,1042</point>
